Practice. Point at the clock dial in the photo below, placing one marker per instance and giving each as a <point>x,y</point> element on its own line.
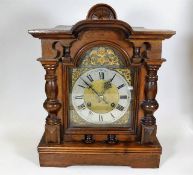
<point>101,96</point>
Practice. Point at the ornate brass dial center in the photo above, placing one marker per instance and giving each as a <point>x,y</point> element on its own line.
<point>100,99</point>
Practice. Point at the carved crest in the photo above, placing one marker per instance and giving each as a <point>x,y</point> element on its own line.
<point>101,12</point>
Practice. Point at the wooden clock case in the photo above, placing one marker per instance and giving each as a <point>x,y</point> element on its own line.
<point>62,47</point>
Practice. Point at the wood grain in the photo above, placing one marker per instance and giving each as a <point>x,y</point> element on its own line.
<point>62,49</point>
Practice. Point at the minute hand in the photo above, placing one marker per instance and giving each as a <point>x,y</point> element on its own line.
<point>90,87</point>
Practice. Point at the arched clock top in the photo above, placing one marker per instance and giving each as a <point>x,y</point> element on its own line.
<point>102,54</point>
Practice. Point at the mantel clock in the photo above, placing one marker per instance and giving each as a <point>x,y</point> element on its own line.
<point>101,85</point>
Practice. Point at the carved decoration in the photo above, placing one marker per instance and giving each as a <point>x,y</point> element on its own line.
<point>101,12</point>
<point>150,105</point>
<point>58,47</point>
<point>140,53</point>
<point>62,51</point>
<point>145,50</point>
<point>136,59</point>
<point>51,104</point>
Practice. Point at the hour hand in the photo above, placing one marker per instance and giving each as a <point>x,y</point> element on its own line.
<point>86,82</point>
<point>108,84</point>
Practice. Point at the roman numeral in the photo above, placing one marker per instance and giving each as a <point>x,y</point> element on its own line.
<point>81,86</point>
<point>112,115</point>
<point>90,113</point>
<point>123,96</point>
<point>101,75</point>
<point>119,107</point>
<point>112,78</point>
<point>79,97</point>
<point>82,106</point>
<point>100,118</point>
<point>90,78</point>
<point>122,85</point>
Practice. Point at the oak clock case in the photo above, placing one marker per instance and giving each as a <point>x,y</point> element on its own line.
<point>101,86</point>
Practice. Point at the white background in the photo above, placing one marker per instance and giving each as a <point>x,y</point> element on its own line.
<point>22,116</point>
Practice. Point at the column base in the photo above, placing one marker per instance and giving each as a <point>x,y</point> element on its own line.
<point>52,133</point>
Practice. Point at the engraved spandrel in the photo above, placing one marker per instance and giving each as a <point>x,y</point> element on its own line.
<point>101,56</point>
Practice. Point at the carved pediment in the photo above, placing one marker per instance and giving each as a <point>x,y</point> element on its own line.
<point>101,17</point>
<point>101,12</point>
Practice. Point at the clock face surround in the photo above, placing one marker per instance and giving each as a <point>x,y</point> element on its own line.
<point>101,96</point>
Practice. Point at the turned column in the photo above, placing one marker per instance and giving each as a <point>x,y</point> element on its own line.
<point>150,105</point>
<point>51,104</point>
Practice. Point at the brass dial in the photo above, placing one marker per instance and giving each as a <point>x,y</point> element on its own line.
<point>101,96</point>
<point>101,99</point>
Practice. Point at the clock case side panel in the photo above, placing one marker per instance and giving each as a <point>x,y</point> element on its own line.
<point>117,41</point>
